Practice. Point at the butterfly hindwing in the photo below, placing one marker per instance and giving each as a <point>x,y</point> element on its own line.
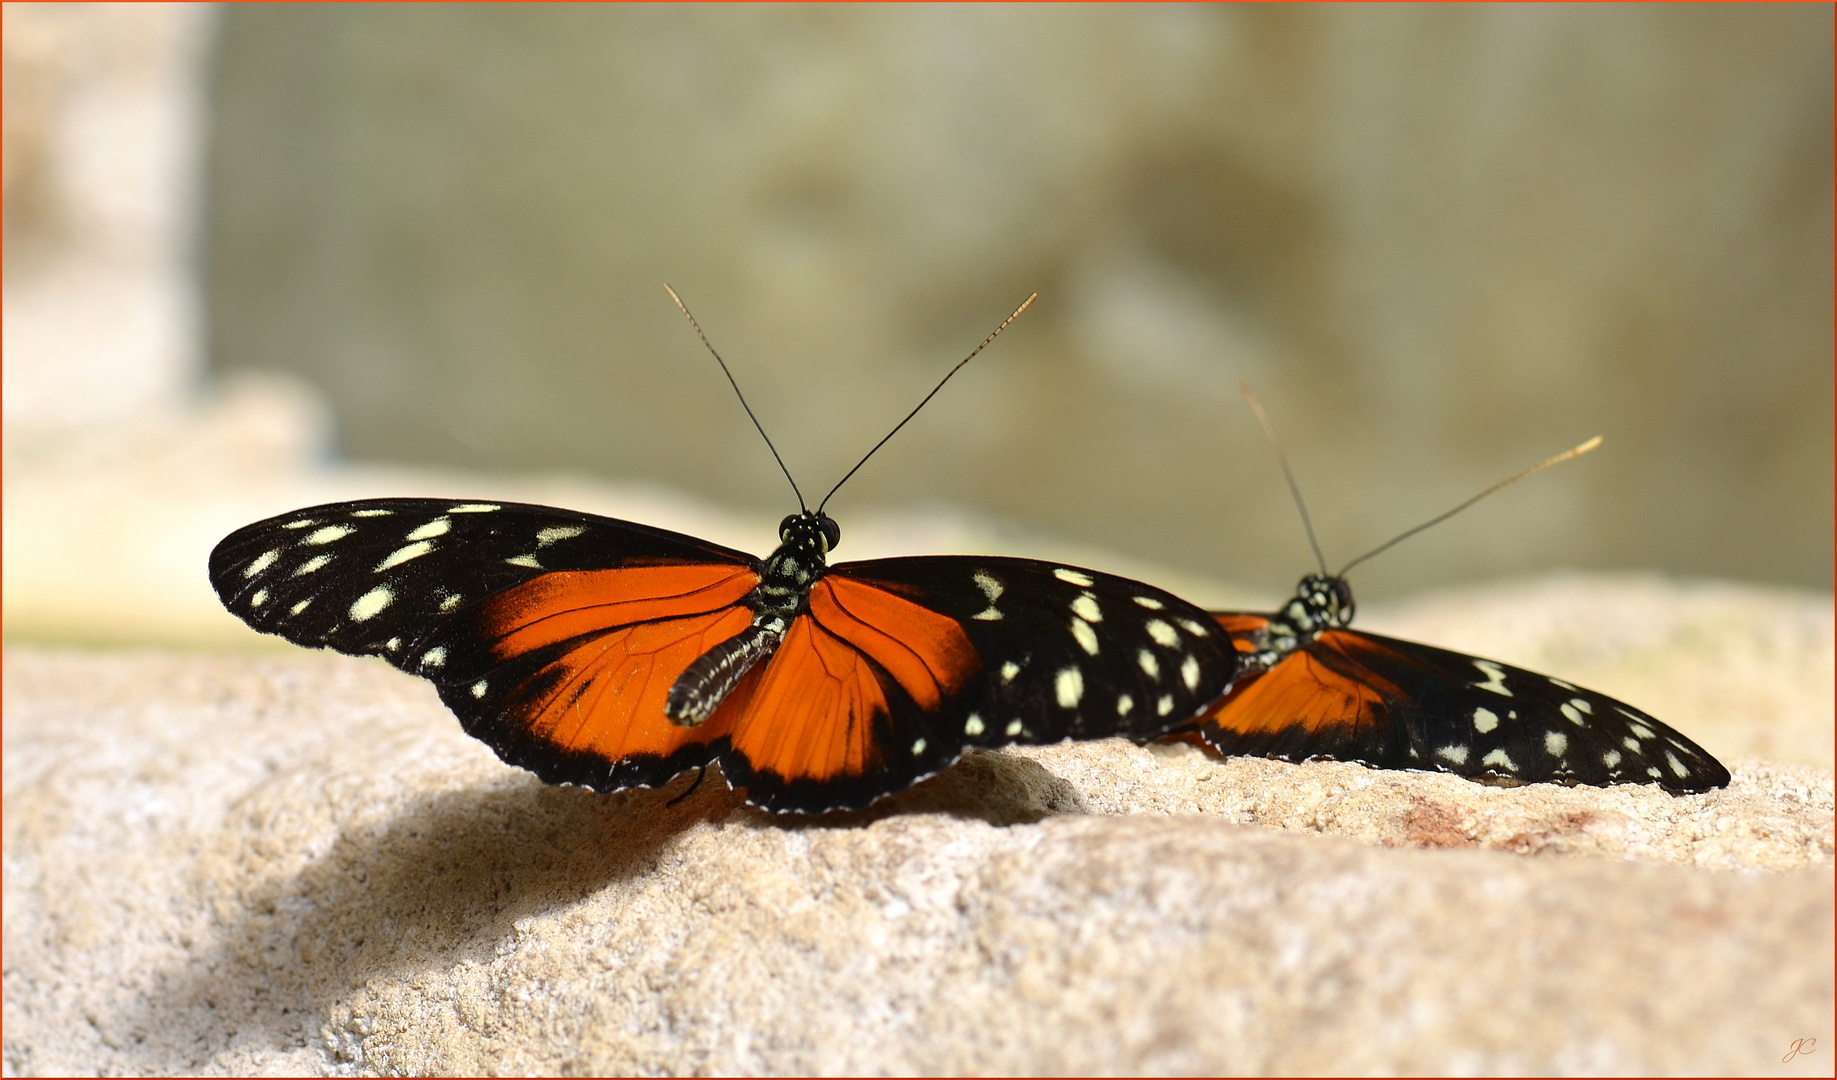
<point>1393,704</point>
<point>373,577</point>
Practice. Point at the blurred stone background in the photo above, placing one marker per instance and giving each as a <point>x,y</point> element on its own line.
<point>1443,243</point>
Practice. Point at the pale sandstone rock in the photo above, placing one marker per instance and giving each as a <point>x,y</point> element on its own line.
<point>298,863</point>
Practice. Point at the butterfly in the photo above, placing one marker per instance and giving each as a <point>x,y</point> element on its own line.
<point>611,654</point>
<point>1312,688</point>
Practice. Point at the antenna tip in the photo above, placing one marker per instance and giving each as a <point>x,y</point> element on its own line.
<point>1587,446</point>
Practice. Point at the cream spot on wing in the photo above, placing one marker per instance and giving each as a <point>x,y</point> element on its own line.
<point>299,607</point>
<point>1631,744</point>
<point>473,508</point>
<point>1073,576</point>
<point>1068,687</point>
<point>1641,731</point>
<point>1561,683</point>
<point>303,523</point>
<point>1676,765</point>
<point>1162,633</point>
<point>987,614</point>
<point>1495,677</point>
<point>403,554</point>
<point>371,513</point>
<point>1149,602</point>
<point>918,746</point>
<point>434,657</point>
<point>1164,705</point>
<point>1087,637</point>
<point>1193,628</point>
<point>478,689</point>
<point>1498,759</point>
<point>262,562</point>
<point>1570,714</point>
<point>1456,754</point>
<point>972,725</point>
<point>1189,672</point>
<point>259,598</point>
<point>369,604</point>
<point>311,564</point>
<point>329,534</point>
<point>1124,703</point>
<point>1014,728</point>
<point>438,527</point>
<point>451,602</point>
<point>1484,720</point>
<point>1085,607</point>
<point>524,560</point>
<point>989,584</point>
<point>393,644</point>
<point>1009,669</point>
<point>1653,773</point>
<point>1150,667</point>
<point>556,533</point>
<point>1556,744</point>
<point>1611,758</point>
<point>1581,706</point>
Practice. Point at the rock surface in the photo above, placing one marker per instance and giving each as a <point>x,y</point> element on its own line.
<point>221,863</point>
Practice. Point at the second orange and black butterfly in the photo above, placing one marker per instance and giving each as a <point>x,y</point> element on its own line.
<point>1313,688</point>
<point>610,654</point>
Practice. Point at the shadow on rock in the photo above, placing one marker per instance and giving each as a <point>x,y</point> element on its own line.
<point>442,882</point>
<point>983,785</point>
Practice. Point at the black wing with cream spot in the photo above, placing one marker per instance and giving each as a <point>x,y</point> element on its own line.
<point>1066,653</point>
<point>1413,706</point>
<point>375,577</point>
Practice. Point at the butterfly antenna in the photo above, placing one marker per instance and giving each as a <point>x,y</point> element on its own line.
<point>1294,489</point>
<point>1539,467</point>
<point>1025,304</point>
<point>684,308</point>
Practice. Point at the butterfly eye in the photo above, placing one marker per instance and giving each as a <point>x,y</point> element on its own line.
<point>784,527</point>
<point>832,533</point>
<point>1342,591</point>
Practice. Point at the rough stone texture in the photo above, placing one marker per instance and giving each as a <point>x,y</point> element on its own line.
<point>297,863</point>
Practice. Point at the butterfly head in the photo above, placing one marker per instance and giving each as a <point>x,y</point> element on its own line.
<point>812,531</point>
<point>1321,602</point>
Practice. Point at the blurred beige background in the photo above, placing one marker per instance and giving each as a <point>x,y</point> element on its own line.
<point>264,255</point>
<point>1443,242</point>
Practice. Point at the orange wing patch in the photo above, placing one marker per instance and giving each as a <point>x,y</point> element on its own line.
<point>563,605</point>
<point>1313,692</point>
<point>1242,627</point>
<point>811,715</point>
<point>927,653</point>
<point>606,695</point>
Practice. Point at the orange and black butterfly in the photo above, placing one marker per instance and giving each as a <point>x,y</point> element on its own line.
<point>1312,688</point>
<point>611,654</point>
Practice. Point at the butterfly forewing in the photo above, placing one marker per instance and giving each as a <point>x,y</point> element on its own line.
<point>1063,652</point>
<point>376,576</point>
<point>1393,704</point>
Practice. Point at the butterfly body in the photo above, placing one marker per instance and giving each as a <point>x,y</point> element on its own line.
<point>1312,688</point>
<point>610,654</point>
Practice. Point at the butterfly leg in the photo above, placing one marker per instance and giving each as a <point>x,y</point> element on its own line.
<point>699,775</point>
